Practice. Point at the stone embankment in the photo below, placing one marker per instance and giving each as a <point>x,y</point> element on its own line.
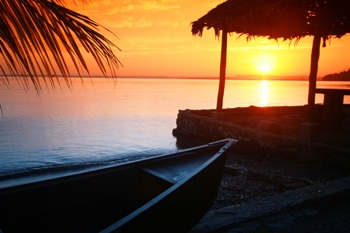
<point>274,130</point>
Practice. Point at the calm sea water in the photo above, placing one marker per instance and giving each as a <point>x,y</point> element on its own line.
<point>103,124</point>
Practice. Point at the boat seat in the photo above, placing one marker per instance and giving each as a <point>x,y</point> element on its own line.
<point>178,169</point>
<point>159,175</point>
<point>154,183</point>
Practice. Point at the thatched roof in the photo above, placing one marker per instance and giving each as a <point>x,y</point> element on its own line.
<point>275,19</point>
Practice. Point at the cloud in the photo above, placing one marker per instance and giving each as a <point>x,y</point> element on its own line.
<point>146,45</point>
<point>271,45</point>
<point>131,22</point>
<point>133,13</point>
<point>126,7</point>
<point>135,6</point>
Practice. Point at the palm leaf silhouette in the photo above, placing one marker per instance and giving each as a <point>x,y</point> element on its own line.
<point>36,35</point>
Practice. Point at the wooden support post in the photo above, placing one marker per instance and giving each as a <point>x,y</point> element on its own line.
<point>222,69</point>
<point>315,55</point>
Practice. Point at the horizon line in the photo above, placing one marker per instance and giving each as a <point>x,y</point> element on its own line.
<point>236,77</point>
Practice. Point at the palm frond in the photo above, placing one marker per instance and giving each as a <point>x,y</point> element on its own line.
<point>36,34</point>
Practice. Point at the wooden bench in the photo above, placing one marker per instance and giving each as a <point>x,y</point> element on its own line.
<point>332,106</point>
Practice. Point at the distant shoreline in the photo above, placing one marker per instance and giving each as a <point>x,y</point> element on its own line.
<point>238,77</point>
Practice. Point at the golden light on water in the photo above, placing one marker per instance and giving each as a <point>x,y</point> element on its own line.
<point>264,92</point>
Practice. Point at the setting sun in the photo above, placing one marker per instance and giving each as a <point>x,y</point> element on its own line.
<point>265,68</point>
<point>265,64</point>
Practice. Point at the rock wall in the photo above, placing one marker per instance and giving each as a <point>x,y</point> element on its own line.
<point>198,124</point>
<point>207,125</point>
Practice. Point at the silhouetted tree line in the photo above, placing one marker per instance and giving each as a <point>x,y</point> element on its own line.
<point>342,76</point>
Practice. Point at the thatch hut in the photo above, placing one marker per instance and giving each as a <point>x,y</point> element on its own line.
<point>278,19</point>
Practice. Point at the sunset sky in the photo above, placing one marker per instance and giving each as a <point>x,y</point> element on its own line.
<point>155,39</point>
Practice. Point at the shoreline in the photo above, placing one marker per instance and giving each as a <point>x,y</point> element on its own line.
<point>270,185</point>
<point>237,77</point>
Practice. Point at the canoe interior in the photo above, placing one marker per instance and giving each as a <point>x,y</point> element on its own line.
<point>91,202</point>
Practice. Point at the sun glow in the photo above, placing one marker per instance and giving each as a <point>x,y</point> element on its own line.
<point>265,68</point>
<point>265,64</point>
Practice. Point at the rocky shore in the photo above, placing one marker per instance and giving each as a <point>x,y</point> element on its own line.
<point>261,193</point>
<point>250,177</point>
<point>271,162</point>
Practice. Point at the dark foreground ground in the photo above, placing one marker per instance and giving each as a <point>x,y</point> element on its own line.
<point>271,195</point>
<point>322,208</point>
<point>251,177</point>
<point>263,193</point>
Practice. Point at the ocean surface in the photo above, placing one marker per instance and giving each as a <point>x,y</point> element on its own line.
<point>101,122</point>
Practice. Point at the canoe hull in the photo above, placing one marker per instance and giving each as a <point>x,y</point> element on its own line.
<point>187,202</point>
<point>93,201</point>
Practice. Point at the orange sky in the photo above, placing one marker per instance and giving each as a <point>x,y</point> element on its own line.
<point>156,40</point>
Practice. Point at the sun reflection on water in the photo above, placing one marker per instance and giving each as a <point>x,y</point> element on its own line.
<point>264,91</point>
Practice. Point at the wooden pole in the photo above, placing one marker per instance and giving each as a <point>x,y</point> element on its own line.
<point>222,69</point>
<point>315,55</point>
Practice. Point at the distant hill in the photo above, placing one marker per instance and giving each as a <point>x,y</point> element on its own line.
<point>342,76</point>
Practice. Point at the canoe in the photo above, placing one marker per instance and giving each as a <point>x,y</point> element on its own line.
<point>164,193</point>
